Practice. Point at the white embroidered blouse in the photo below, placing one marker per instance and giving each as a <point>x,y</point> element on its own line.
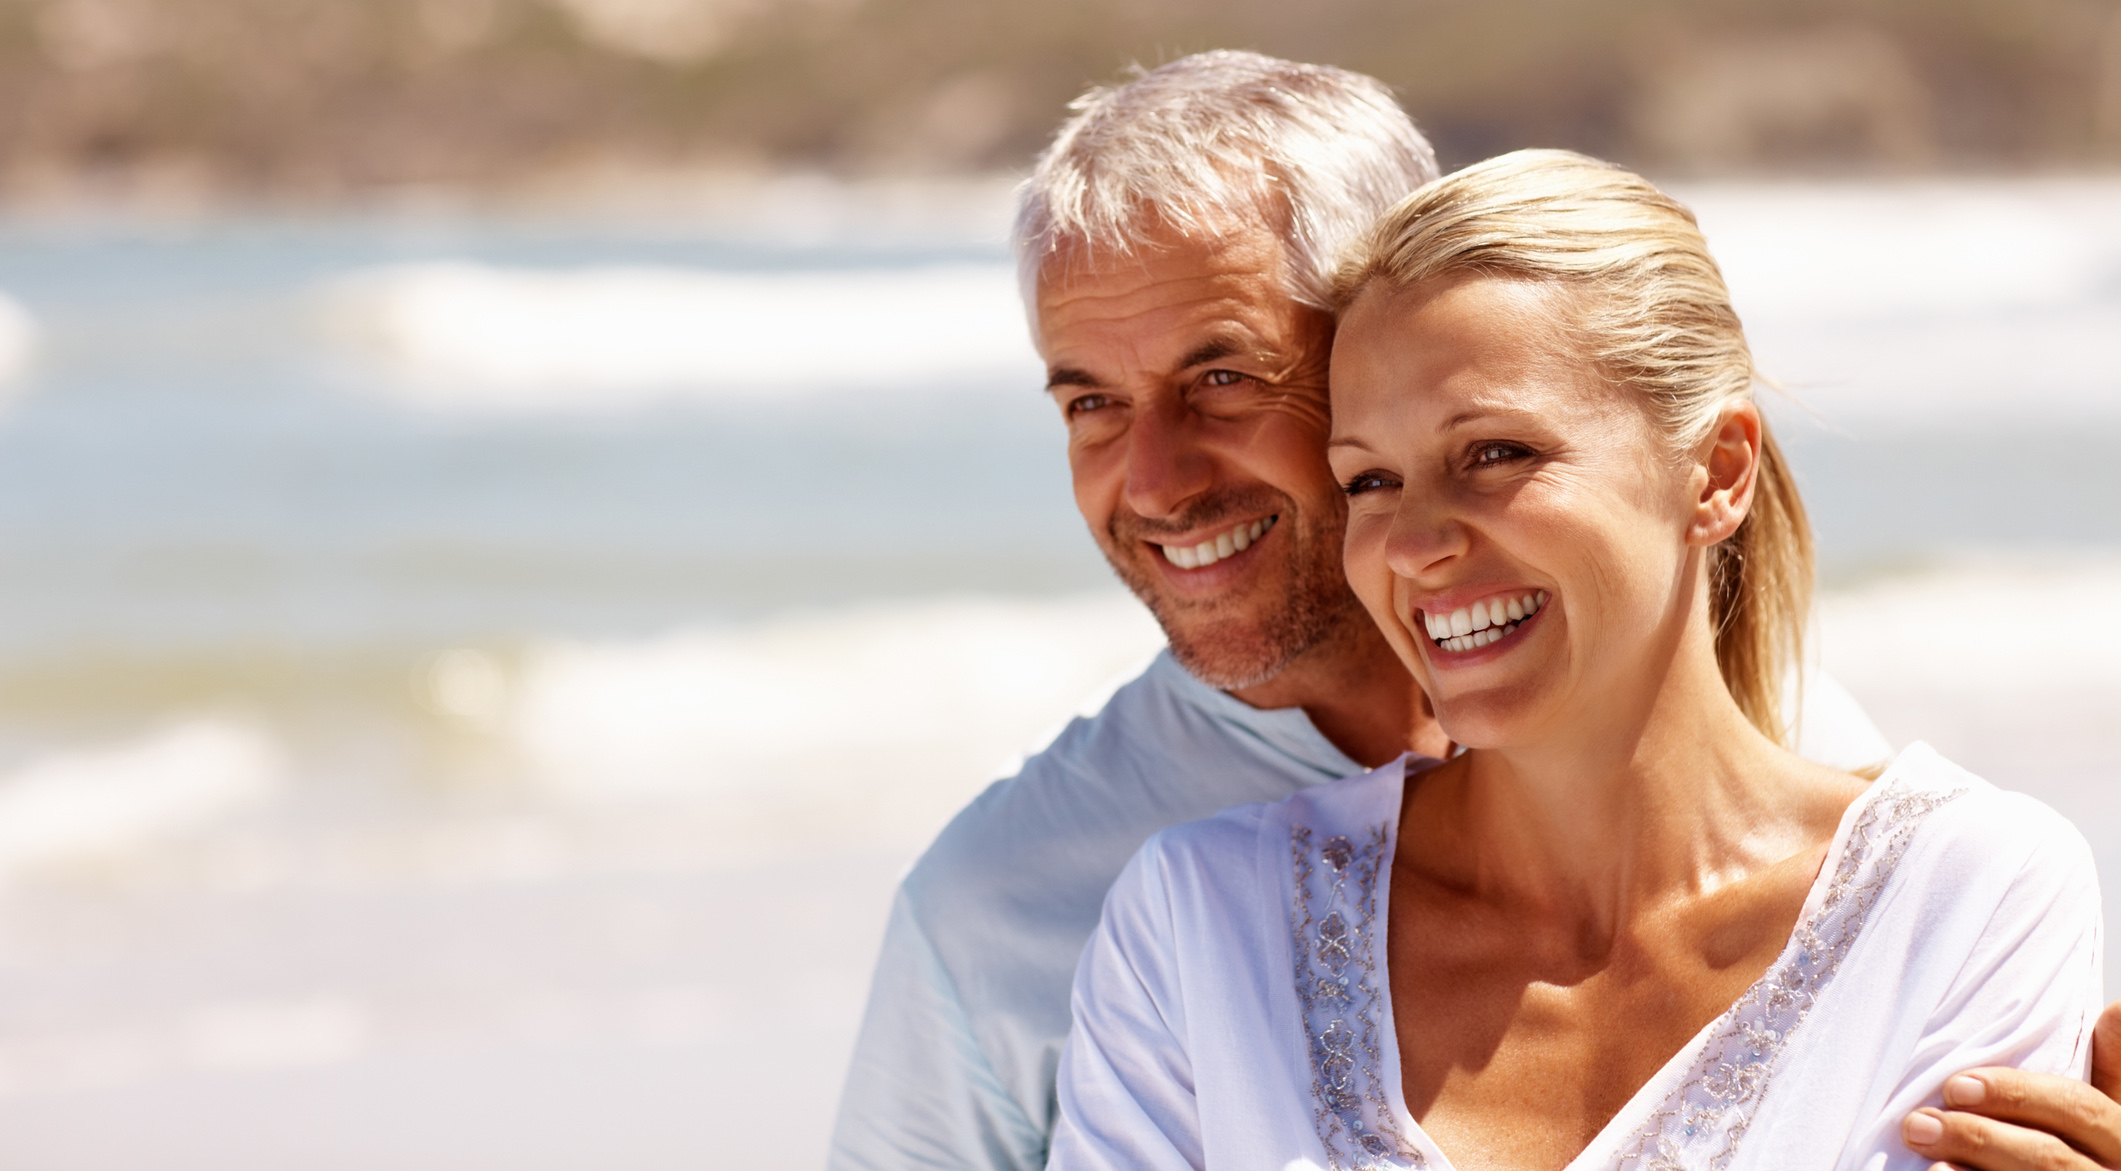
<point>1233,1012</point>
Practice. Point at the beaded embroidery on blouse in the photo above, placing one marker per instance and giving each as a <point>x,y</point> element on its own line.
<point>1706,1116</point>
<point>1333,924</point>
<point>1699,1126</point>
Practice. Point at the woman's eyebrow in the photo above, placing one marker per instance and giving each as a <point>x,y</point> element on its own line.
<point>1479,413</point>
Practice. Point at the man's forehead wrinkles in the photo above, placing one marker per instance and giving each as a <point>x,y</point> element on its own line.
<point>1118,325</point>
<point>1190,259</point>
<point>1166,341</point>
<point>1108,307</point>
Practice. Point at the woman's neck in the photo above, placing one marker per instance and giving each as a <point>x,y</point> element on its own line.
<point>1657,792</point>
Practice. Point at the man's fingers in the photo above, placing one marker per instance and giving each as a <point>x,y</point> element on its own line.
<point>1984,1144</point>
<point>2106,1052</point>
<point>2064,1107</point>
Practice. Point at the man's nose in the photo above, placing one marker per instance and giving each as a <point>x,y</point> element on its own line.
<point>1166,464</point>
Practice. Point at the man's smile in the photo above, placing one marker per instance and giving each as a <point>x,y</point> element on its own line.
<point>1228,543</point>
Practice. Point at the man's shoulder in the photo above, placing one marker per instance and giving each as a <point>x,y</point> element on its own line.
<point>1093,780</point>
<point>1038,849</point>
<point>1357,806</point>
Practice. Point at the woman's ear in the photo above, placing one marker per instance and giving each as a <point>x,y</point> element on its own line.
<point>1731,458</point>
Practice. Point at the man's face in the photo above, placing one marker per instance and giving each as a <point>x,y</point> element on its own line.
<point>1194,390</point>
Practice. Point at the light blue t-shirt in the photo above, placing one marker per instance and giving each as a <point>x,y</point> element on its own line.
<point>955,1064</point>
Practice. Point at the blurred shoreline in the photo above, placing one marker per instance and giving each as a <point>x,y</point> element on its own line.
<point>355,103</point>
<point>771,208</point>
<point>794,206</point>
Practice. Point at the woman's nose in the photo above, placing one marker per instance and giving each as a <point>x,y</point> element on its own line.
<point>1423,535</point>
<point>1166,463</point>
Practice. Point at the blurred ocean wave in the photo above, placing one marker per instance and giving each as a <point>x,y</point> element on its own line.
<point>18,334</point>
<point>1927,304</point>
<point>2029,624</point>
<point>1934,247</point>
<point>950,687</point>
<point>477,336</point>
<point>73,808</point>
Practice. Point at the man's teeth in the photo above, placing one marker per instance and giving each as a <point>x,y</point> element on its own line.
<point>1481,623</point>
<point>1224,545</point>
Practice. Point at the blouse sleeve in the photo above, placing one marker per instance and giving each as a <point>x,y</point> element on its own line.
<point>2026,995</point>
<point>1126,1077</point>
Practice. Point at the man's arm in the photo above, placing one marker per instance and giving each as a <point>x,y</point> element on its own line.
<point>1127,1091</point>
<point>920,1092</point>
<point>2010,1120</point>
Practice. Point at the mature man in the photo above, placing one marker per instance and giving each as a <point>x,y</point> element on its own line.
<point>1175,244</point>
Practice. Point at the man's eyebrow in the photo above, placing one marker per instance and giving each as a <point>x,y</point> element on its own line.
<point>1061,376</point>
<point>1212,351</point>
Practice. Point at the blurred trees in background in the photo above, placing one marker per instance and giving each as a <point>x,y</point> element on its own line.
<point>321,100</point>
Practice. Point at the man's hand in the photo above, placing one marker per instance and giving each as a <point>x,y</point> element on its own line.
<point>2009,1120</point>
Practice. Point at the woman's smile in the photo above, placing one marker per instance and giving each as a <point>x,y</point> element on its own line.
<point>1456,633</point>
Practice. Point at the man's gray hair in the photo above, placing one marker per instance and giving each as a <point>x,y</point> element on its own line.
<point>1221,140</point>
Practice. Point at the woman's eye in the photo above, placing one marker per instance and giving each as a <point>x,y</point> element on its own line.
<point>1363,482</point>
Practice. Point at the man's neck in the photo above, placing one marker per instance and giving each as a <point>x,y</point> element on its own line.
<point>1358,695</point>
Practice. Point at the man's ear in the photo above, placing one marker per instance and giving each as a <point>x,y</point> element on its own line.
<point>1731,458</point>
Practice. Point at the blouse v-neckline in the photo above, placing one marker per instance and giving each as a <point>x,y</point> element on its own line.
<point>1690,1114</point>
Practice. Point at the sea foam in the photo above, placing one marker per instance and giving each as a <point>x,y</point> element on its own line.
<point>87,803</point>
<point>18,336</point>
<point>2008,629</point>
<point>472,335</point>
<point>1927,302</point>
<point>948,688</point>
<point>1893,250</point>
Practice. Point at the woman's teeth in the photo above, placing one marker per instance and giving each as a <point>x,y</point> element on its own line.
<point>1224,545</point>
<point>1481,623</point>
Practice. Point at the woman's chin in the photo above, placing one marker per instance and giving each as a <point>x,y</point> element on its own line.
<point>1490,717</point>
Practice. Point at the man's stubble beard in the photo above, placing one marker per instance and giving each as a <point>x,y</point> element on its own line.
<point>1224,642</point>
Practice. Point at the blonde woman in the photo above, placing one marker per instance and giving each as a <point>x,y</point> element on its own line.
<point>1626,927</point>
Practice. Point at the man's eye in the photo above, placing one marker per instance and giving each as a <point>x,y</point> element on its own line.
<point>1363,482</point>
<point>1222,378</point>
<point>1083,404</point>
<point>1488,455</point>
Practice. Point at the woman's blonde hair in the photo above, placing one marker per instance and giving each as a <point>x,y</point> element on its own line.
<point>1657,318</point>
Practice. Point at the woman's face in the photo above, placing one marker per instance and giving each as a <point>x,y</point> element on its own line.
<point>1514,525</point>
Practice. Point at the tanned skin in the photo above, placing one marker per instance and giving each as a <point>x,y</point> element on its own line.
<point>1194,390</point>
<point>1190,380</point>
